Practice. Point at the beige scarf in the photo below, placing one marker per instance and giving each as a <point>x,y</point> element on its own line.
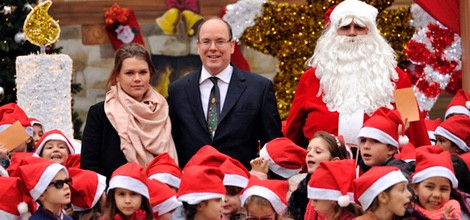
<point>144,127</point>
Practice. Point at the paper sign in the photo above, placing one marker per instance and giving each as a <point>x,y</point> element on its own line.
<point>406,104</point>
<point>13,136</point>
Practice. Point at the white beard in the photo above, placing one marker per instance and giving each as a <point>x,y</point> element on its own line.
<point>355,72</point>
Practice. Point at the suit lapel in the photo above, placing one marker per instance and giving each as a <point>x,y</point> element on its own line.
<point>235,89</point>
<point>194,98</point>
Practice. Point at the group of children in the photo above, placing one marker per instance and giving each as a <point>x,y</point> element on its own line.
<point>386,178</point>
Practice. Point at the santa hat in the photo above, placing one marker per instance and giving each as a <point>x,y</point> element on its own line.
<point>457,130</point>
<point>235,174</point>
<point>384,126</point>
<point>327,13</point>
<point>73,161</point>
<point>373,182</point>
<point>200,183</point>
<point>428,166</point>
<point>332,180</point>
<point>207,156</point>
<point>38,176</point>
<point>53,135</point>
<point>87,188</point>
<point>407,153</point>
<point>466,158</point>
<point>431,126</point>
<point>353,8</point>
<point>35,121</point>
<point>460,104</point>
<point>10,113</point>
<point>285,158</point>
<point>274,191</point>
<point>163,168</point>
<point>12,205</point>
<point>162,197</point>
<point>433,149</point>
<point>130,176</point>
<point>22,158</point>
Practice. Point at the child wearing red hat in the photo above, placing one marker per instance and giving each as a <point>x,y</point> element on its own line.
<point>382,192</point>
<point>201,192</point>
<point>322,147</point>
<point>236,178</point>
<point>432,183</point>
<point>380,139</point>
<point>54,146</point>
<point>265,199</point>
<point>38,129</point>
<point>12,206</point>
<point>164,169</point>
<point>163,200</point>
<point>48,184</point>
<point>459,105</point>
<point>88,193</point>
<point>453,134</point>
<point>128,194</point>
<point>331,190</point>
<point>11,113</point>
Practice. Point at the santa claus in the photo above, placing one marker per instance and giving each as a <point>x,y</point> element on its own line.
<point>353,72</point>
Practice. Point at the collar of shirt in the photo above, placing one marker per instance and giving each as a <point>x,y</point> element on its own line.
<point>224,76</point>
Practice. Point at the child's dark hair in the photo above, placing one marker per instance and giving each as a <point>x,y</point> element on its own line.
<point>110,208</point>
<point>336,146</point>
<point>190,210</point>
<point>232,190</point>
<point>462,173</point>
<point>375,203</point>
<point>352,209</point>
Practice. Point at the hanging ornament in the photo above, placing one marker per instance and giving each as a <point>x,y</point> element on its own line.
<point>6,9</point>
<point>2,93</point>
<point>20,37</point>
<point>40,28</point>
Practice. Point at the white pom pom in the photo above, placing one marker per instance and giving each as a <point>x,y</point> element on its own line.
<point>343,201</point>
<point>403,140</point>
<point>22,208</point>
<point>467,104</point>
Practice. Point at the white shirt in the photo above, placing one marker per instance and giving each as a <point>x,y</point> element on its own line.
<point>205,86</point>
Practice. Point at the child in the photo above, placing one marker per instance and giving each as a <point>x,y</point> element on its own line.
<point>164,169</point>
<point>382,192</point>
<point>380,138</point>
<point>54,146</point>
<point>330,189</point>
<point>163,200</point>
<point>322,147</point>
<point>88,195</point>
<point>283,157</point>
<point>12,206</point>
<point>128,194</point>
<point>459,105</point>
<point>201,192</point>
<point>453,134</point>
<point>236,178</point>
<point>432,183</point>
<point>48,184</point>
<point>265,199</point>
<point>38,129</point>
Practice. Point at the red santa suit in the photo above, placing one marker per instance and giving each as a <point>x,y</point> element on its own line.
<point>309,114</point>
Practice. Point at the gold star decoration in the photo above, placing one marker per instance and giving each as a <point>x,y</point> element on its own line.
<point>289,33</point>
<point>39,27</point>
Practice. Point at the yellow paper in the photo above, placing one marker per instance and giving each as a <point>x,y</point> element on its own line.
<point>406,104</point>
<point>13,136</point>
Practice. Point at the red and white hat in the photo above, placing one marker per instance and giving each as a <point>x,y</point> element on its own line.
<point>457,130</point>
<point>332,180</point>
<point>35,121</point>
<point>162,197</point>
<point>12,205</point>
<point>275,191</point>
<point>200,183</point>
<point>38,176</point>
<point>73,161</point>
<point>163,168</point>
<point>407,153</point>
<point>285,158</point>
<point>130,176</point>
<point>87,188</point>
<point>427,166</point>
<point>10,113</point>
<point>354,8</point>
<point>431,126</point>
<point>22,158</point>
<point>235,174</point>
<point>207,156</point>
<point>460,104</point>
<point>375,181</point>
<point>383,126</point>
<point>53,135</point>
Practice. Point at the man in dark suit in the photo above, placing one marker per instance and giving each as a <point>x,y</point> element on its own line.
<point>242,111</point>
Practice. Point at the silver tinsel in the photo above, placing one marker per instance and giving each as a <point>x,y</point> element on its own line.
<point>242,14</point>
